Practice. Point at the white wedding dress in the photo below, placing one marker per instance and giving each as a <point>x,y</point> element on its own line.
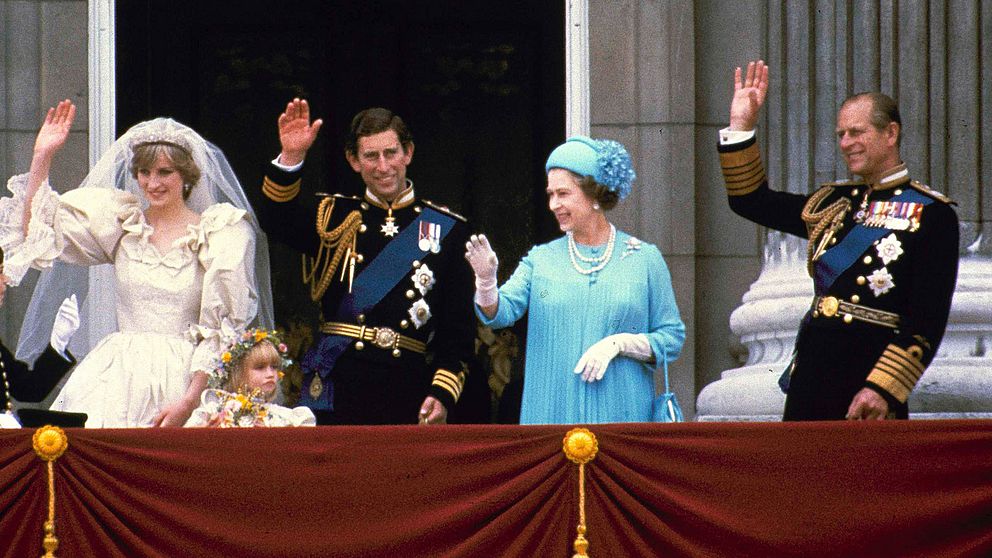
<point>175,310</point>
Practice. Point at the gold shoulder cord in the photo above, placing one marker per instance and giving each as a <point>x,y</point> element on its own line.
<point>817,222</point>
<point>341,239</point>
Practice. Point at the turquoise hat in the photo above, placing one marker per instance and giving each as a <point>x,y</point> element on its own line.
<point>606,161</point>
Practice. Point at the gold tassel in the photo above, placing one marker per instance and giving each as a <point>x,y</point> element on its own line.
<point>50,442</point>
<point>580,446</point>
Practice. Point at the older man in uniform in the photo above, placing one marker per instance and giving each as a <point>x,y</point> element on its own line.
<point>388,271</point>
<point>882,252</point>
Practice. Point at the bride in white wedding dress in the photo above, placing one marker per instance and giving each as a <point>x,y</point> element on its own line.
<point>184,265</point>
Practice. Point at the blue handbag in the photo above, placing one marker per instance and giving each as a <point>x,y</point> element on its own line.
<point>665,407</point>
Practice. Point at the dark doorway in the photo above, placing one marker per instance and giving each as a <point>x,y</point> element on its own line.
<point>481,85</point>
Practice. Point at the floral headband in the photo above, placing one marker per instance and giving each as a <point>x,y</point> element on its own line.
<point>235,353</point>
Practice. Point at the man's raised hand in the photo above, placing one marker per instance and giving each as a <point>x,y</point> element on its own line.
<point>750,91</point>
<point>296,132</point>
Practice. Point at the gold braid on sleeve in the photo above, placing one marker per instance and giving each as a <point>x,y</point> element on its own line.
<point>821,224</point>
<point>341,240</point>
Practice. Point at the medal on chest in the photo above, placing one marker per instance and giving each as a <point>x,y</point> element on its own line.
<point>894,215</point>
<point>390,229</point>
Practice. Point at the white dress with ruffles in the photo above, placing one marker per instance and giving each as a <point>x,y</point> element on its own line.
<point>175,310</point>
<point>212,401</point>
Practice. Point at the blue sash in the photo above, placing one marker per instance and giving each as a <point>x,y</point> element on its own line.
<point>839,258</point>
<point>368,289</point>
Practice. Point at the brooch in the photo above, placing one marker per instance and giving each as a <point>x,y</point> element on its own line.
<point>632,245</point>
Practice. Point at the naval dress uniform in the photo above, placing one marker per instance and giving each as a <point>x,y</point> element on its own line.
<point>19,381</point>
<point>884,261</point>
<point>395,295</point>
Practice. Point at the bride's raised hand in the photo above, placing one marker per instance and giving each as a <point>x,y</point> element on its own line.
<point>55,130</point>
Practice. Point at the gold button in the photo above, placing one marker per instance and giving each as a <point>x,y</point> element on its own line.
<point>360,318</point>
<point>898,191</point>
<point>861,280</point>
<point>365,206</point>
<point>362,228</point>
<point>396,353</point>
<point>848,318</point>
<point>359,258</point>
<point>404,324</point>
<point>867,260</point>
<point>416,209</point>
<point>854,192</point>
<point>410,294</point>
<point>833,240</point>
<point>855,299</point>
<point>416,264</point>
<point>421,313</point>
<point>359,345</point>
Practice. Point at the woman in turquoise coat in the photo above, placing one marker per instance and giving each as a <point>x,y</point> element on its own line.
<point>602,310</point>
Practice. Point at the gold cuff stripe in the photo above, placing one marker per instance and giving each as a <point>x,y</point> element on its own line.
<point>449,381</point>
<point>446,385</point>
<point>457,378</point>
<point>749,182</point>
<point>897,372</point>
<point>903,359</point>
<point>743,171</point>
<point>742,158</point>
<point>278,192</point>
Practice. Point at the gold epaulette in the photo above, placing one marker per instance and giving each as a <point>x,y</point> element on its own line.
<point>444,210</point>
<point>278,192</point>
<point>743,171</point>
<point>924,189</point>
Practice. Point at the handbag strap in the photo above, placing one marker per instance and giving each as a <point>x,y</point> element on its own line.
<point>664,363</point>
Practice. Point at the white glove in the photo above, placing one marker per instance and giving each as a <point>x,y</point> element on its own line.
<point>597,358</point>
<point>484,263</point>
<point>66,323</point>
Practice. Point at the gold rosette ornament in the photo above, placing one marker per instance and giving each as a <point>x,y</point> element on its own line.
<point>50,442</point>
<point>580,446</point>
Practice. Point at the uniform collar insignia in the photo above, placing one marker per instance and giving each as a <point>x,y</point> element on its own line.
<point>405,198</point>
<point>893,177</point>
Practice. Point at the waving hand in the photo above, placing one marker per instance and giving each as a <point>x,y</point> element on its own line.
<point>296,132</point>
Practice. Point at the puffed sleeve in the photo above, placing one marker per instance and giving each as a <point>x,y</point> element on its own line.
<point>666,330</point>
<point>230,298</point>
<point>514,295</point>
<point>82,226</point>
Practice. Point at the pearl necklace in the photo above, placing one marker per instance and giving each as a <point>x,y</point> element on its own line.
<point>601,261</point>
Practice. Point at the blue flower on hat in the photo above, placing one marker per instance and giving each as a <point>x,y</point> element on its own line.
<point>607,161</point>
<point>616,171</point>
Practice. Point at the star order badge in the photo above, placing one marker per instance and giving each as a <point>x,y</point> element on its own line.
<point>389,228</point>
<point>880,281</point>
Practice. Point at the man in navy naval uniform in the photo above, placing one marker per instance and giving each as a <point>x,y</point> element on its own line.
<point>387,269</point>
<point>882,252</point>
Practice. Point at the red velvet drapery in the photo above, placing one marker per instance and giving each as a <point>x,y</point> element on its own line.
<point>912,488</point>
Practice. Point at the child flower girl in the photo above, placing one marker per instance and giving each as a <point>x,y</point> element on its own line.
<point>243,384</point>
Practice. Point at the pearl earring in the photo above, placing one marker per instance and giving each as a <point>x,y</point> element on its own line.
<point>595,206</point>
